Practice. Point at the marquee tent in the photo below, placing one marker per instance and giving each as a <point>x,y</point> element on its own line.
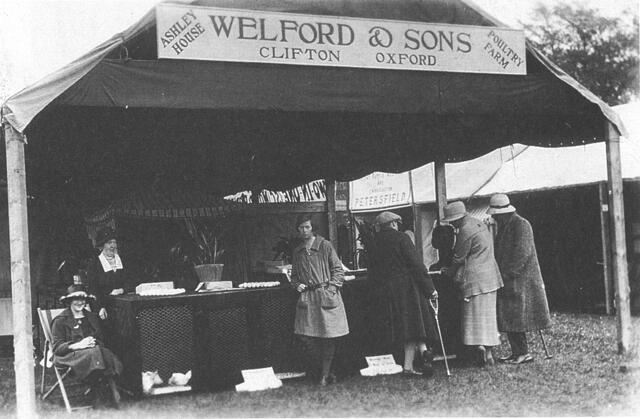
<point>119,115</point>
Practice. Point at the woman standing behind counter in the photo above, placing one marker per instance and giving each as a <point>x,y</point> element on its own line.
<point>107,274</point>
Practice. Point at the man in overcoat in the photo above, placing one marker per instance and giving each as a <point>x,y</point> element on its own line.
<point>399,268</point>
<point>522,303</point>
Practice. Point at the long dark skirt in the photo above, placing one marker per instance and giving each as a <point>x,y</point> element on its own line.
<point>85,361</point>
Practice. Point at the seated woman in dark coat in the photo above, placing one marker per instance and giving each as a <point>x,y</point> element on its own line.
<point>78,343</point>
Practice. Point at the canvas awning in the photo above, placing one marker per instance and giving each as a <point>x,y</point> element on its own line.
<point>510,169</point>
<point>239,126</point>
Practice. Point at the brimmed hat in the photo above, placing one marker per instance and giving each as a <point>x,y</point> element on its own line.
<point>500,204</point>
<point>386,217</point>
<point>104,236</point>
<point>454,211</point>
<point>76,291</point>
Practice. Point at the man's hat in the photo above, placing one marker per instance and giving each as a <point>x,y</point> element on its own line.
<point>454,211</point>
<point>386,217</point>
<point>104,236</point>
<point>76,291</point>
<point>500,204</point>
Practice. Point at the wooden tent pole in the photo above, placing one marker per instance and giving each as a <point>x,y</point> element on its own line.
<point>605,236</point>
<point>441,187</point>
<point>417,221</point>
<point>20,273</point>
<point>619,248</point>
<point>331,213</point>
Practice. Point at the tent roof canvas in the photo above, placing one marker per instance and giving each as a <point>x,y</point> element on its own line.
<point>237,126</point>
<point>520,168</point>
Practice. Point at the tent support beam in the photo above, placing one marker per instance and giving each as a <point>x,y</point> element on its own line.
<point>619,248</point>
<point>331,213</point>
<point>605,235</point>
<point>417,221</point>
<point>441,187</point>
<point>20,273</point>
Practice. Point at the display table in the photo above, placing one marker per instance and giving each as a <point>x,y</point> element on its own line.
<point>217,334</point>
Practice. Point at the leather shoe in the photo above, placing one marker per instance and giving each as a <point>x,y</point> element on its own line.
<point>507,358</point>
<point>427,364</point>
<point>521,359</point>
<point>411,373</point>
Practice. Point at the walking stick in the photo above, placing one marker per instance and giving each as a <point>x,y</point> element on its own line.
<point>544,345</point>
<point>433,302</point>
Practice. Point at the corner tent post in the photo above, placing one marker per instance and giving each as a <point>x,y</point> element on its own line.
<point>619,248</point>
<point>605,237</point>
<point>441,187</point>
<point>331,213</point>
<point>20,273</point>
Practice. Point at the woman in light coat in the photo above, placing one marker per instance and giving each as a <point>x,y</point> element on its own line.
<point>320,314</point>
<point>476,273</point>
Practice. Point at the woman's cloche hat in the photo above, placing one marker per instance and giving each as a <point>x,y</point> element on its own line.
<point>386,217</point>
<point>500,204</point>
<point>76,291</point>
<point>104,236</point>
<point>454,211</point>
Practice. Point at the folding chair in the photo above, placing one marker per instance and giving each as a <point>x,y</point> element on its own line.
<point>46,317</point>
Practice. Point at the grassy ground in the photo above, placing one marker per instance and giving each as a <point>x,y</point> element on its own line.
<point>582,379</point>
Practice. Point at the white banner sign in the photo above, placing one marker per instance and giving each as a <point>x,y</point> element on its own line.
<point>379,191</point>
<point>215,34</point>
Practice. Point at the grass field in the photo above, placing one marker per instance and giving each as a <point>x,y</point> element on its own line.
<point>582,379</point>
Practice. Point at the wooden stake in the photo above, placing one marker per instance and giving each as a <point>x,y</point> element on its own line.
<point>331,213</point>
<point>619,248</point>
<point>441,187</point>
<point>417,221</point>
<point>605,237</point>
<point>20,274</point>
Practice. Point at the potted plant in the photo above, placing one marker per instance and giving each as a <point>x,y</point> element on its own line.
<point>205,250</point>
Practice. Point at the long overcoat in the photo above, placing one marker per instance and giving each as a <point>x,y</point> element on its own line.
<point>475,269</point>
<point>399,268</point>
<point>522,303</point>
<point>66,330</point>
<point>320,311</point>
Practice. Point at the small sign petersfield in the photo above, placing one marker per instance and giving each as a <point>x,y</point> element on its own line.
<point>235,35</point>
<point>380,191</point>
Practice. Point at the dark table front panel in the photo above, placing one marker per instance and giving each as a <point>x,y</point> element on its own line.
<point>216,335</point>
